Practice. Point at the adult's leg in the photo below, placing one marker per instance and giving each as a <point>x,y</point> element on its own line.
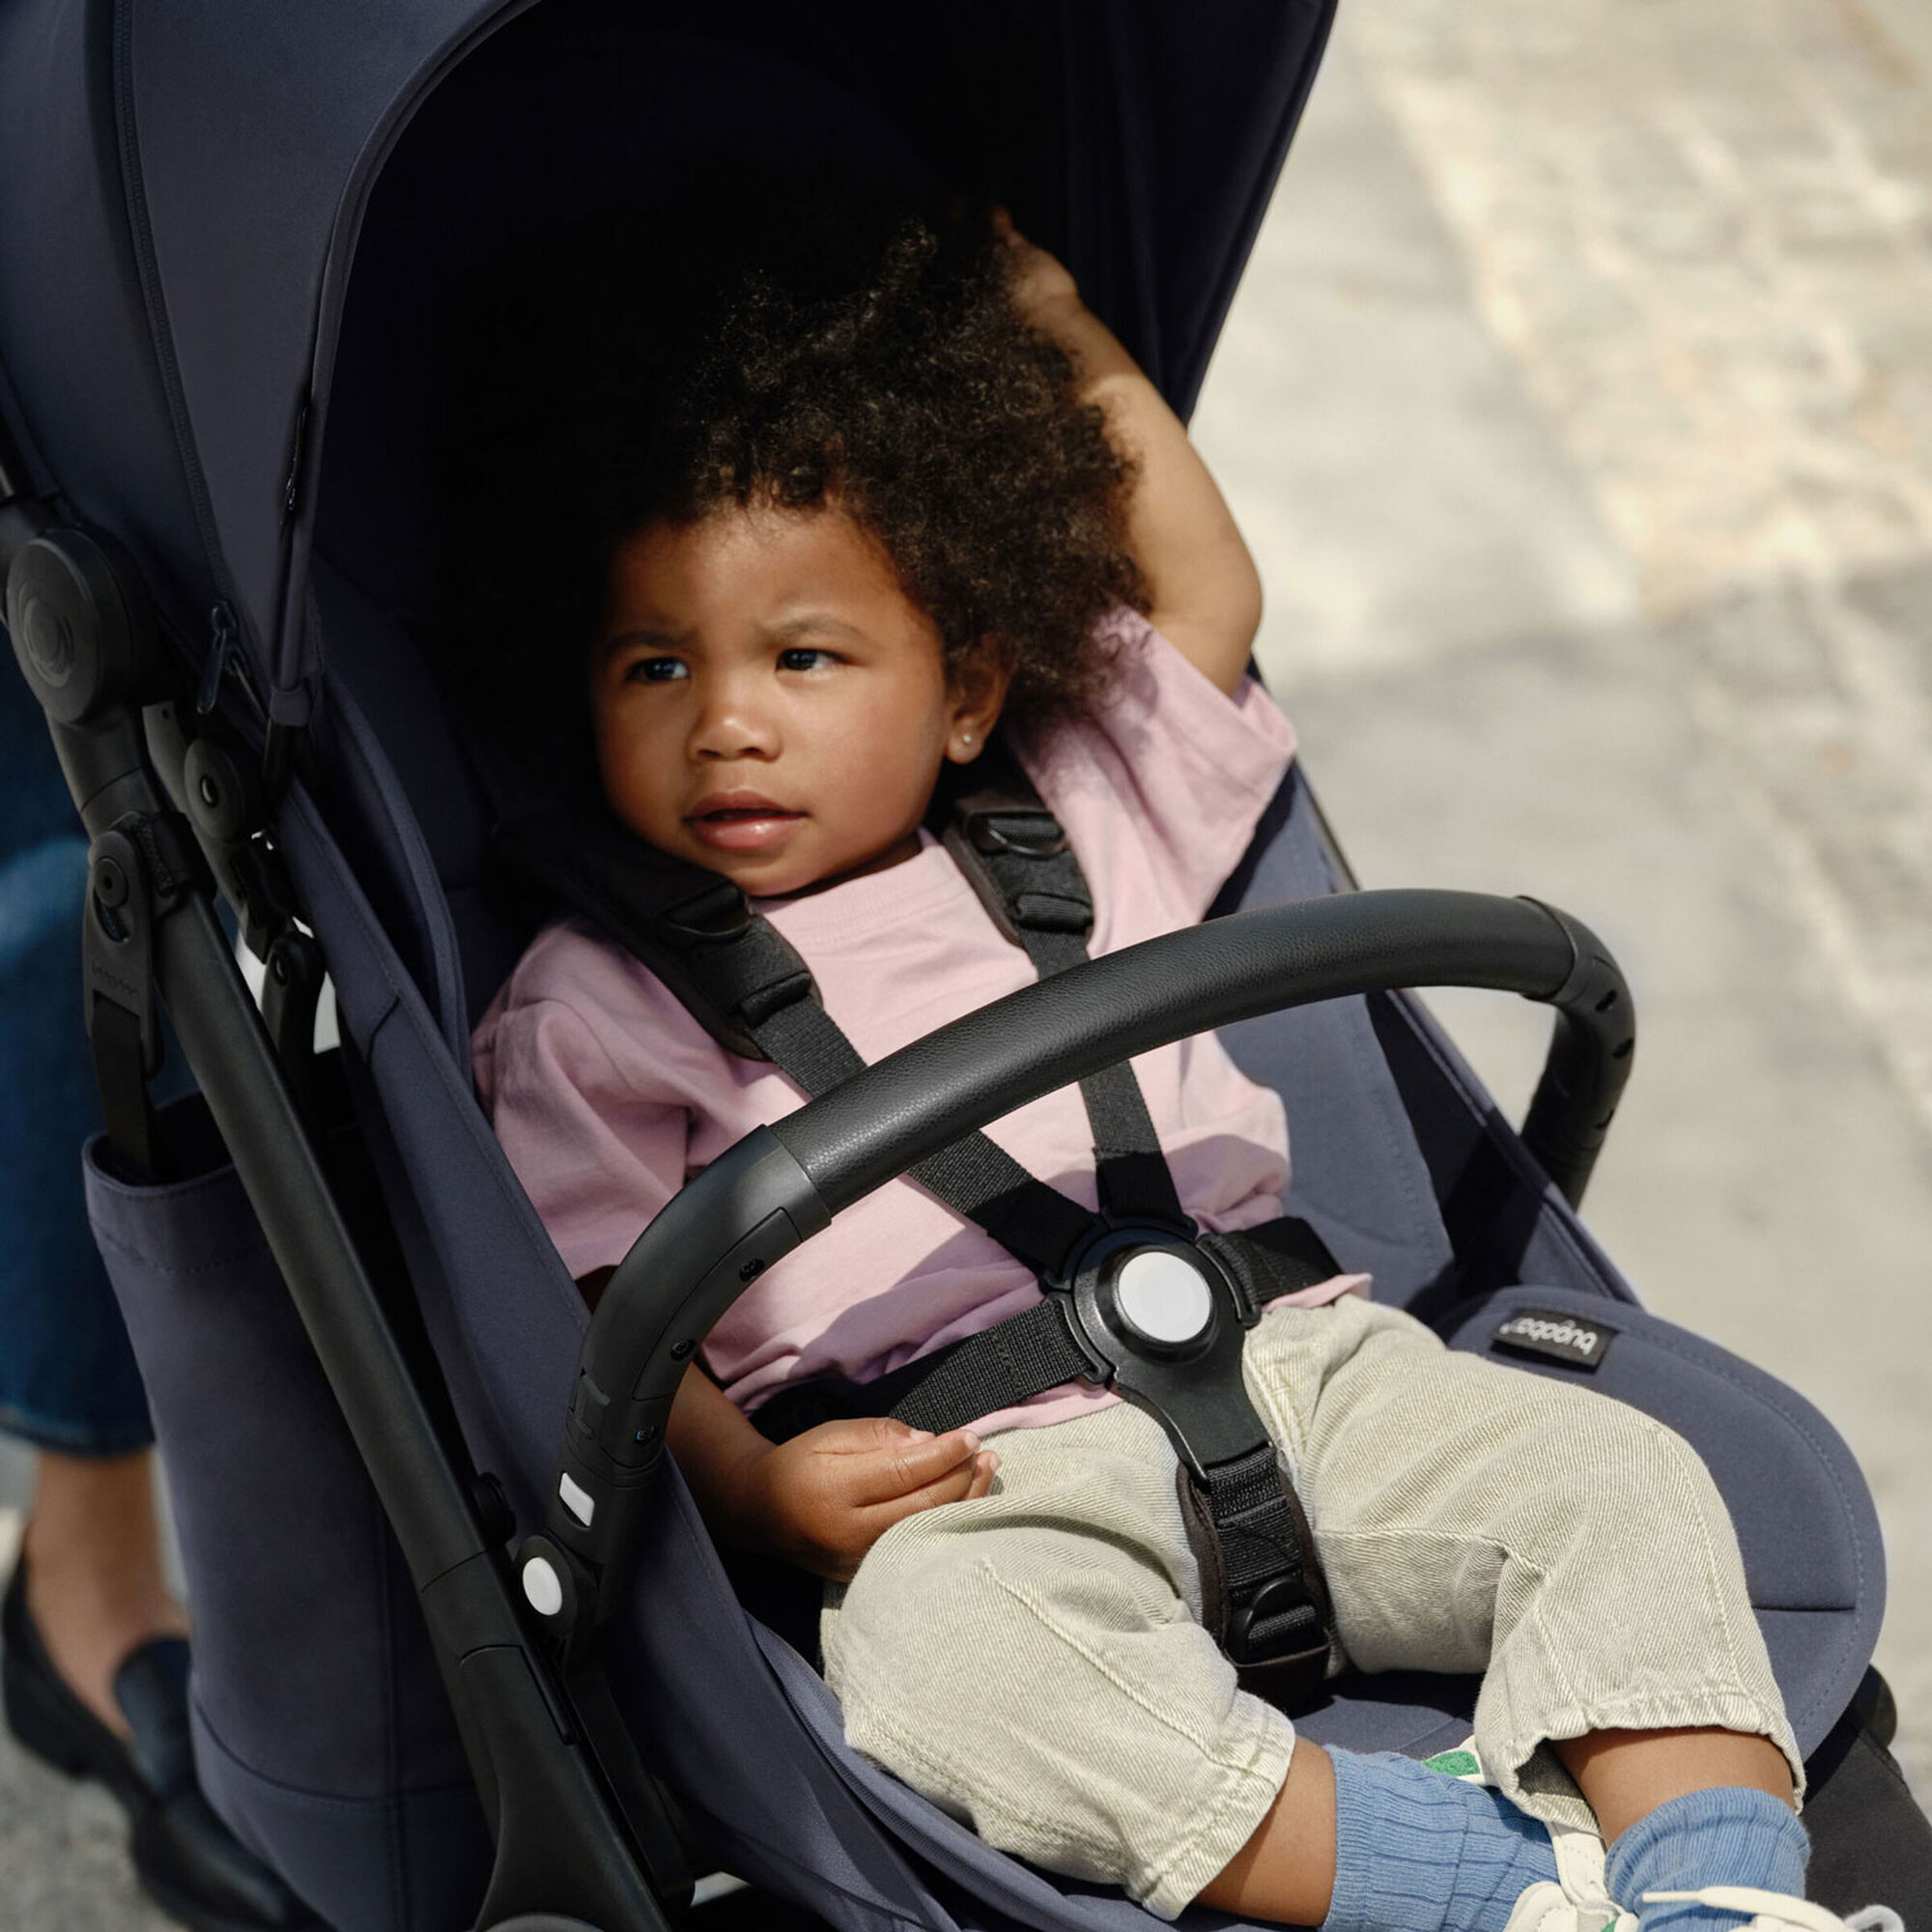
<point>69,1383</point>
<point>95,1585</point>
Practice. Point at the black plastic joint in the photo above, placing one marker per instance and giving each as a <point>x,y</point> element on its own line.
<point>1592,974</point>
<point>118,943</point>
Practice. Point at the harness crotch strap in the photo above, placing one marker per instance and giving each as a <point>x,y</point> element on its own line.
<point>1133,1298</point>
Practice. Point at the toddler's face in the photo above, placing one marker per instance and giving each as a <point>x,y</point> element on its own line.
<point>769,703</point>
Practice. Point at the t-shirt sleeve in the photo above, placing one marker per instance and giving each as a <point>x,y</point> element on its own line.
<point>1190,768</point>
<point>597,1154</point>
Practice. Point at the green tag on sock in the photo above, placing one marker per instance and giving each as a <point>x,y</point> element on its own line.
<point>1457,1763</point>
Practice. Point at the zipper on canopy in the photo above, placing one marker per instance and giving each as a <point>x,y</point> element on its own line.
<point>225,655</point>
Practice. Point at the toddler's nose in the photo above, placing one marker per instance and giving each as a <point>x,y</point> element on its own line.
<point>732,725</point>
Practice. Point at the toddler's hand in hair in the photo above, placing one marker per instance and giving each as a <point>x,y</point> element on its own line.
<point>1202,593</point>
<point>823,1500</point>
<point>1043,290</point>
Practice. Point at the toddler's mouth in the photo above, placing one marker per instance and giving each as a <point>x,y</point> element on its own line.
<point>741,822</point>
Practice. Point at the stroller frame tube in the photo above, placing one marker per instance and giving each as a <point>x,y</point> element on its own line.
<point>564,1844</point>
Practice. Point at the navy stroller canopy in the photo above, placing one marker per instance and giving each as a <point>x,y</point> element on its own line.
<point>185,186</point>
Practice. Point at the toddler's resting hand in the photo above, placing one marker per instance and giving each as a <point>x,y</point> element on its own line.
<point>823,1500</point>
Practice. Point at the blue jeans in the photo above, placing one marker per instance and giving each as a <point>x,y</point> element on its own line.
<point>68,1378</point>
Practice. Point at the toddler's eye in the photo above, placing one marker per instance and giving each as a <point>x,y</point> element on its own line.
<point>804,656</point>
<point>655,670</point>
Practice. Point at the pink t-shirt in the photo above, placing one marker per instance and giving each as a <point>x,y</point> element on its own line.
<point>607,1095</point>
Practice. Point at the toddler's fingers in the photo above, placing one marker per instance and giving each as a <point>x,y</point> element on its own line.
<point>956,1486</point>
<point>863,1434</point>
<point>986,1467</point>
<point>902,1468</point>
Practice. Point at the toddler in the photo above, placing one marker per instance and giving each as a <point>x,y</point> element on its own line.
<point>806,526</point>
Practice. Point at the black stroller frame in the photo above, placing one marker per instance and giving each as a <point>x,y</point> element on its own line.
<point>577,1743</point>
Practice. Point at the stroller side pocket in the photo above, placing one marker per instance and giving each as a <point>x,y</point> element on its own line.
<point>321,1731</point>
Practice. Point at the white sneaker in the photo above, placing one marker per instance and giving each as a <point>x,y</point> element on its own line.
<point>1777,1912</point>
<point>1580,1900</point>
<point>1577,1901</point>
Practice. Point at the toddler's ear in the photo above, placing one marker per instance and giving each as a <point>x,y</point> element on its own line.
<point>977,693</point>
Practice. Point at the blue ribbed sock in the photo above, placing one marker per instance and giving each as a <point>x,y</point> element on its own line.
<point>1732,1835</point>
<point>1419,1852</point>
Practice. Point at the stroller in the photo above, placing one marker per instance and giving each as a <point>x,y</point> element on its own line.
<point>223,234</point>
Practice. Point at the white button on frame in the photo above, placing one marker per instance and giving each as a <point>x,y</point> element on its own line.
<point>543,1588</point>
<point>577,1500</point>
<point>1164,1297</point>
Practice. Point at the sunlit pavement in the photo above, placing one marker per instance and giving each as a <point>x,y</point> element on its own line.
<point>1579,401</point>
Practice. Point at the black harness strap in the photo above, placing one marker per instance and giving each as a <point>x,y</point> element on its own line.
<point>1036,1349</point>
<point>975,1177</point>
<point>1010,1363</point>
<point>1263,1594</point>
<point>1016,856</point>
<point>742,979</point>
<point>1277,1258</point>
<point>729,969</point>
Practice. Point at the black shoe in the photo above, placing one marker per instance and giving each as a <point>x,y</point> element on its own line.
<point>188,1861</point>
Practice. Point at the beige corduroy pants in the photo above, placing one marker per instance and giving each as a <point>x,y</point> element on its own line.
<point>1034,1662</point>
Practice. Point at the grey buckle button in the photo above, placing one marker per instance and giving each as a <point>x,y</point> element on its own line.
<point>1163,1297</point>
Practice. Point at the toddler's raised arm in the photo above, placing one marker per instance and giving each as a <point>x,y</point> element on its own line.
<point>1206,595</point>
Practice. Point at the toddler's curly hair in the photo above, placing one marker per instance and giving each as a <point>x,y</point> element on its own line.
<point>802,347</point>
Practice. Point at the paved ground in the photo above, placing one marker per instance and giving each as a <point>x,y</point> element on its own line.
<point>62,1863</point>
<point>1579,404</point>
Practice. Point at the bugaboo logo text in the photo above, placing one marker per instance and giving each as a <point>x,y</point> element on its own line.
<point>1557,1337</point>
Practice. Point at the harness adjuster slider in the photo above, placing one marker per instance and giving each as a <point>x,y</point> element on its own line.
<point>720,912</point>
<point>1053,912</point>
<point>1032,835</point>
<point>1278,1624</point>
